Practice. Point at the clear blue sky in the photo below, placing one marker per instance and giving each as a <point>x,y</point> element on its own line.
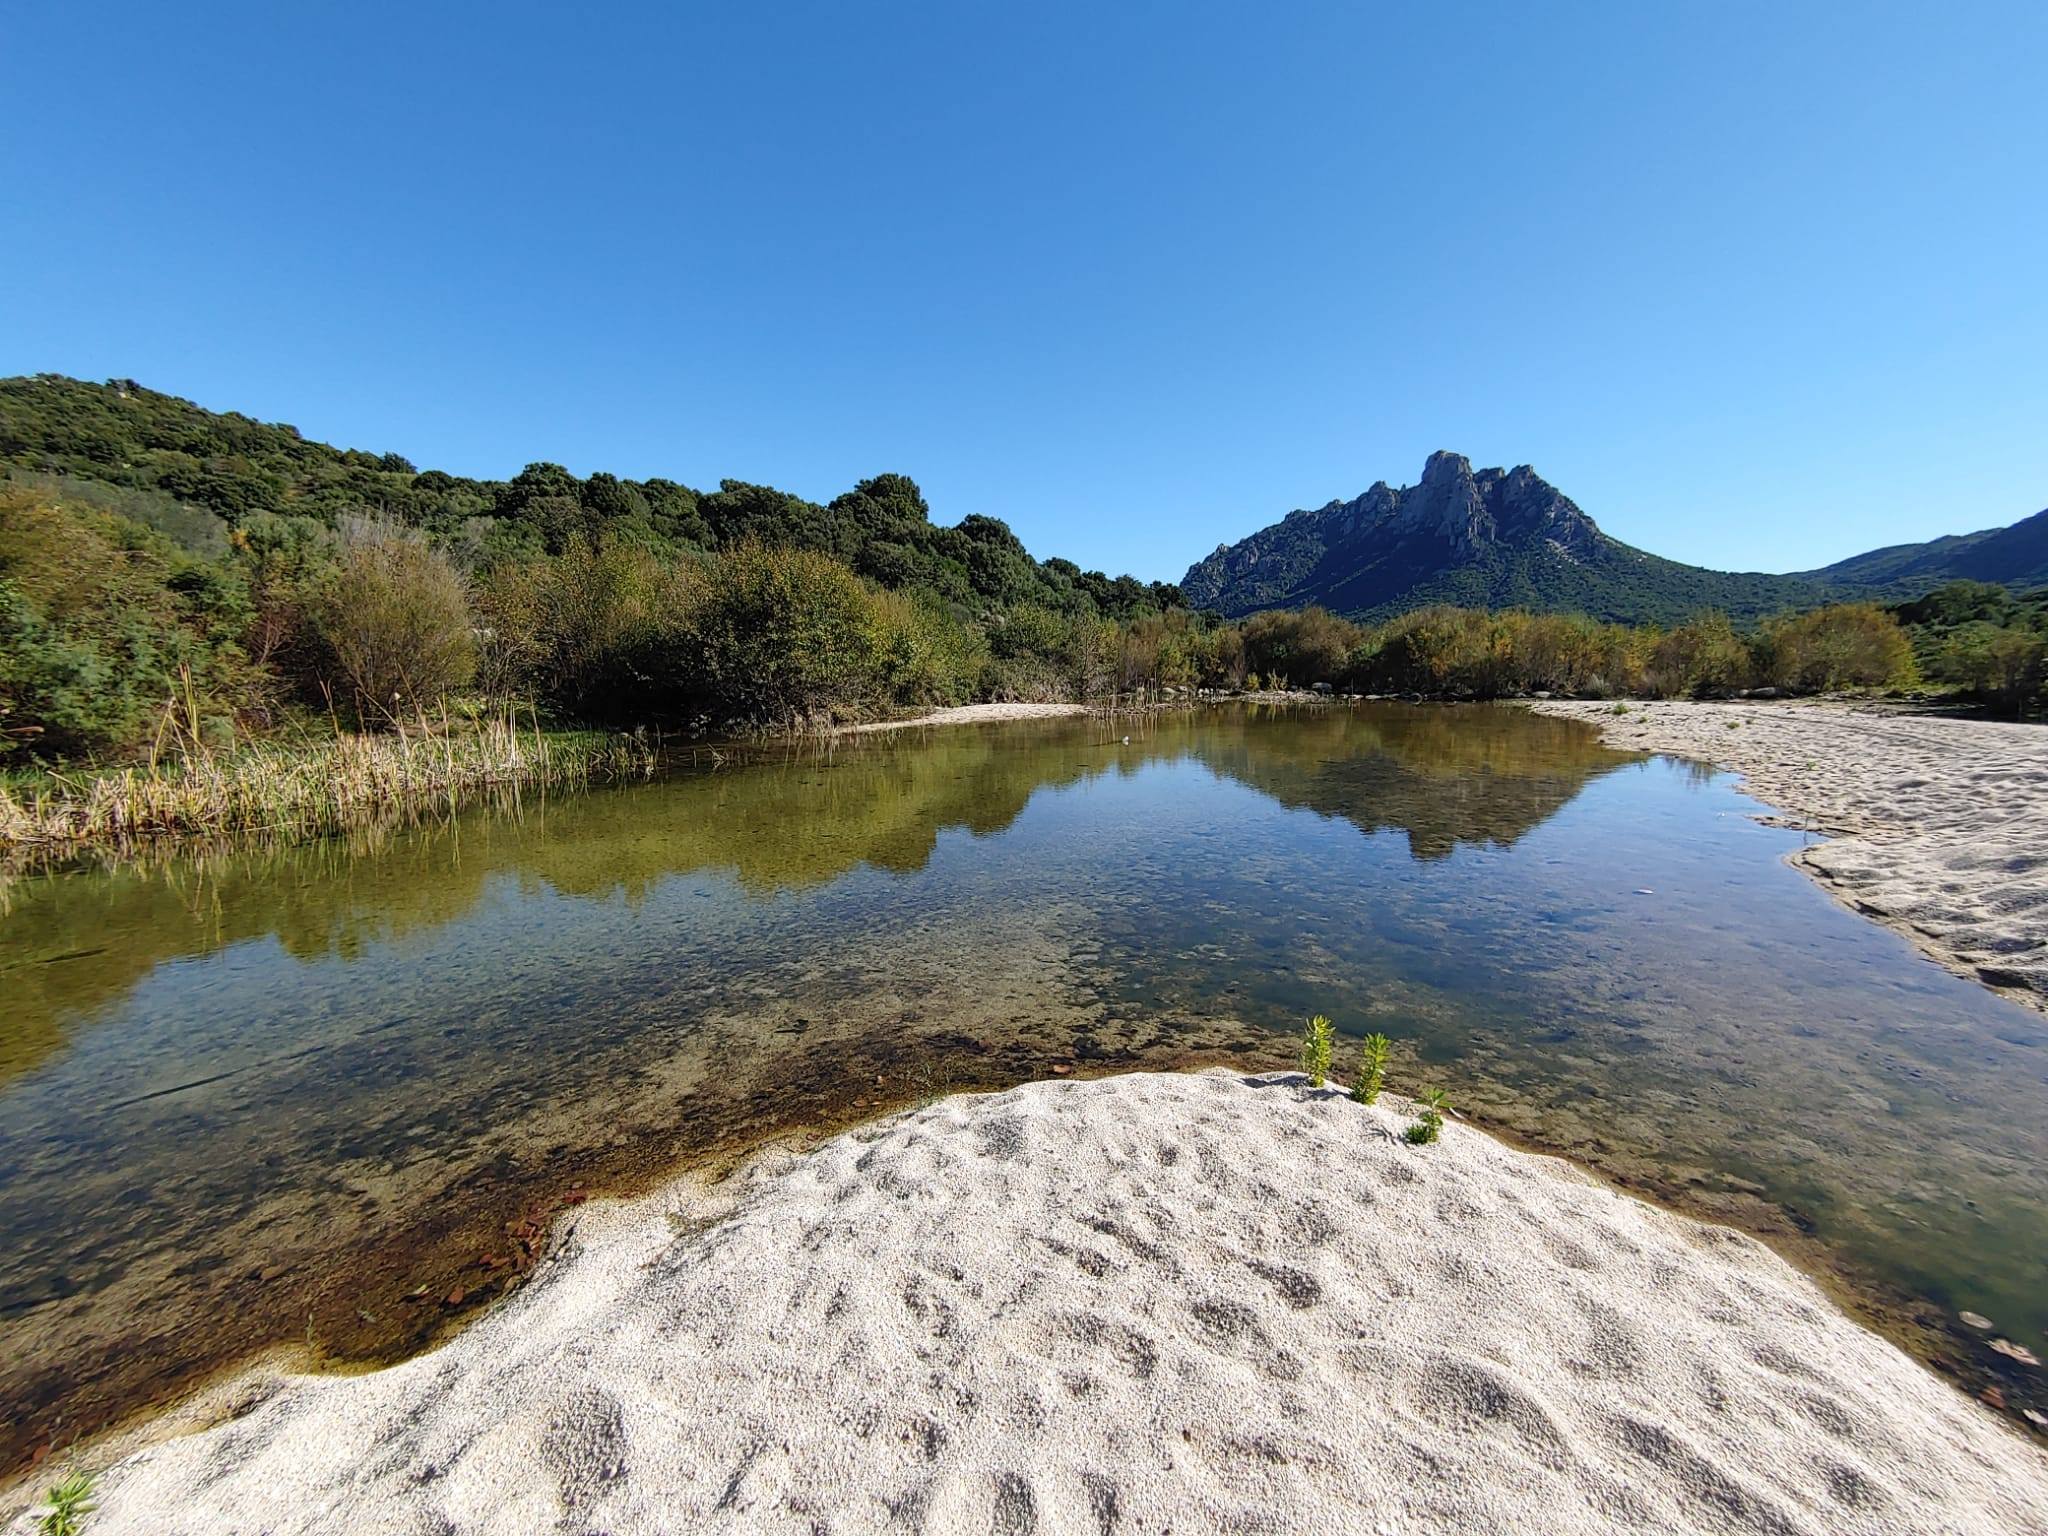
<point>1759,285</point>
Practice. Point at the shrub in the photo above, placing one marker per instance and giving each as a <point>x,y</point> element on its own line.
<point>1847,645</point>
<point>1372,1069</point>
<point>924,655</point>
<point>1702,658</point>
<point>2001,664</point>
<point>58,693</point>
<point>783,634</point>
<point>1429,1117</point>
<point>1317,1036</point>
<point>101,620</point>
<point>392,616</point>
<point>1570,654</point>
<point>1307,647</point>
<point>1033,631</point>
<point>1443,650</point>
<point>581,630</point>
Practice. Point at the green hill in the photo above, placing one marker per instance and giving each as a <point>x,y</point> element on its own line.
<point>2015,557</point>
<point>198,475</point>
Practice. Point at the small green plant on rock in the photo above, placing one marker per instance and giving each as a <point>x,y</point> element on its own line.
<point>1429,1117</point>
<point>70,1501</point>
<point>1372,1069</point>
<point>1317,1036</point>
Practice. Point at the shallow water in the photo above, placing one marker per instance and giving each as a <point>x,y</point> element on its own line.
<point>269,1096</point>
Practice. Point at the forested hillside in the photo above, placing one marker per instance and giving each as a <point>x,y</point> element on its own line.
<point>196,474</point>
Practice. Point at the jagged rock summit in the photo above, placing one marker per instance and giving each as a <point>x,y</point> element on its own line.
<point>1488,537</point>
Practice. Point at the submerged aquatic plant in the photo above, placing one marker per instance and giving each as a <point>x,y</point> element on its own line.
<point>1372,1069</point>
<point>932,1084</point>
<point>70,1501</point>
<point>1317,1036</point>
<point>1429,1117</point>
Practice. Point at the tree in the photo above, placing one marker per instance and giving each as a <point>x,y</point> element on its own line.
<point>609,500</point>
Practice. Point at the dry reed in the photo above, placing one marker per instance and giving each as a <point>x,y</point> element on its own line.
<point>305,789</point>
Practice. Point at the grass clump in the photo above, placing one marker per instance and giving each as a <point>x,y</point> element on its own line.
<point>69,1502</point>
<point>1372,1069</point>
<point>1317,1036</point>
<point>1429,1117</point>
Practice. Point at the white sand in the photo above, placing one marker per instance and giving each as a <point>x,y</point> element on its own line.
<point>966,714</point>
<point>1938,827</point>
<point>1147,1303</point>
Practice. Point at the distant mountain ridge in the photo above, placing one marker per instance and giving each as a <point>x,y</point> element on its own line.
<point>2014,556</point>
<point>1490,538</point>
<point>1507,538</point>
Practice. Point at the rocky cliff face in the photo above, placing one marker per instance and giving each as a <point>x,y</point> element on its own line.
<point>1493,537</point>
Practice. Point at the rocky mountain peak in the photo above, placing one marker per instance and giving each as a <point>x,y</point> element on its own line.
<point>1504,535</point>
<point>1444,467</point>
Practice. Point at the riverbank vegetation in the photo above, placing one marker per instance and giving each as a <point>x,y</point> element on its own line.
<point>180,591</point>
<point>306,787</point>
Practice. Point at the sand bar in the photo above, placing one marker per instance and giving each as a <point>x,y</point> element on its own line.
<point>1191,1302</point>
<point>965,714</point>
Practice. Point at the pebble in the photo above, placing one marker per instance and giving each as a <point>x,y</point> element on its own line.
<point>1976,1320</point>
<point>2018,1352</point>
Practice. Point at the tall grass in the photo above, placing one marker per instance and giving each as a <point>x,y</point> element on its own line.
<point>308,788</point>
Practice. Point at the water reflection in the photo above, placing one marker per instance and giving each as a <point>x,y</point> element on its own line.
<point>787,820</point>
<point>247,1090</point>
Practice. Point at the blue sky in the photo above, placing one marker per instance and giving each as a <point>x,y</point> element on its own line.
<point>1758,285</point>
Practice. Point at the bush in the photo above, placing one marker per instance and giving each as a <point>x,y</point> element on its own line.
<point>393,622</point>
<point>1848,645</point>
<point>924,655</point>
<point>581,630</point>
<point>1573,655</point>
<point>1306,647</point>
<point>2003,665</point>
<point>1703,658</point>
<point>783,634</point>
<point>1455,651</point>
<point>101,622</point>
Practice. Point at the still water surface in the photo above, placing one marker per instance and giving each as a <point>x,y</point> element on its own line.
<point>269,1096</point>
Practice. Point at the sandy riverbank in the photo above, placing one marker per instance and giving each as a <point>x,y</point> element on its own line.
<point>966,714</point>
<point>1188,1302</point>
<point>983,714</point>
<point>1937,827</point>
